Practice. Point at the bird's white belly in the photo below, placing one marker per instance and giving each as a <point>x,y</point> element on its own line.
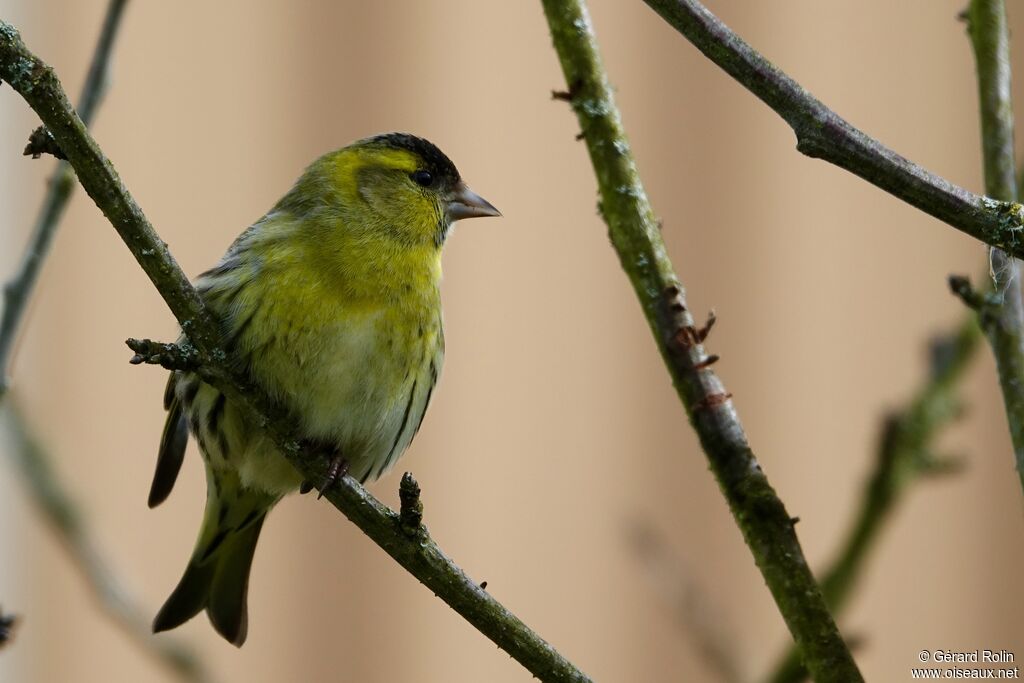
<point>357,386</point>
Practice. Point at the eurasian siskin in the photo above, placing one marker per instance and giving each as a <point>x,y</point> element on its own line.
<point>330,304</point>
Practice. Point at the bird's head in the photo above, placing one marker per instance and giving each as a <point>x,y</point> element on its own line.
<point>400,185</point>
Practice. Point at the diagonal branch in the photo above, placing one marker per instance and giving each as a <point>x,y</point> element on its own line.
<point>416,551</point>
<point>1003,318</point>
<point>823,134</point>
<point>17,291</point>
<point>634,231</point>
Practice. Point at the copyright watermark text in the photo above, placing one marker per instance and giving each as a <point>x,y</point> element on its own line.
<point>977,664</point>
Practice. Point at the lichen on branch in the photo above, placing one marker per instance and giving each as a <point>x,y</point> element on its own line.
<point>635,233</point>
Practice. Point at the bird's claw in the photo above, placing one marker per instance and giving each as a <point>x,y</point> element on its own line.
<point>337,469</point>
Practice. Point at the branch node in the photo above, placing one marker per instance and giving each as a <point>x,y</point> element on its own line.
<point>707,362</point>
<point>41,142</point>
<point>686,337</point>
<point>936,466</point>
<point>712,401</point>
<point>986,305</point>
<point>410,515</point>
<point>168,356</point>
<point>570,94</point>
<point>960,285</point>
<point>703,332</point>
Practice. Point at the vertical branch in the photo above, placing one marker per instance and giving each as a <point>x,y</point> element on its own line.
<point>18,289</point>
<point>1002,316</point>
<point>634,231</point>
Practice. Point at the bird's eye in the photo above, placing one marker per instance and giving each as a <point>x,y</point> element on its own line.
<point>423,178</point>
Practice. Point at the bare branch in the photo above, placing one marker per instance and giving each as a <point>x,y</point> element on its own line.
<point>823,134</point>
<point>36,82</point>
<point>1002,318</point>
<point>634,231</point>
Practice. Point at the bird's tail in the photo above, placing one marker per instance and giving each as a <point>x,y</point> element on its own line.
<point>217,576</point>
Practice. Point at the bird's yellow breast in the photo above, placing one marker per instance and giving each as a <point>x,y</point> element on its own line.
<point>350,340</point>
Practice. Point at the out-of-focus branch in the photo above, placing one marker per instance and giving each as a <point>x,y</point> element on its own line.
<point>904,456</point>
<point>415,551</point>
<point>690,604</point>
<point>1004,323</point>
<point>42,484</point>
<point>823,134</point>
<point>634,231</point>
<point>61,184</point>
<point>8,622</point>
<point>67,521</point>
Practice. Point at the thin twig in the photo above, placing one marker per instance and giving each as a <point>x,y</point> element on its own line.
<point>19,288</point>
<point>634,231</point>
<point>68,522</point>
<point>823,134</point>
<point>986,24</point>
<point>904,456</point>
<point>168,356</point>
<point>38,85</point>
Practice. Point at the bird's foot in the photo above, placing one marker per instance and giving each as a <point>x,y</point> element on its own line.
<point>337,469</point>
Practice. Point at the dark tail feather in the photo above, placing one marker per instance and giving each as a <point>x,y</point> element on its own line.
<point>227,606</point>
<point>171,454</point>
<point>189,598</point>
<point>216,579</point>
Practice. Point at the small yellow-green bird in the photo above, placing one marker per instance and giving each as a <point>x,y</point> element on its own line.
<point>330,304</point>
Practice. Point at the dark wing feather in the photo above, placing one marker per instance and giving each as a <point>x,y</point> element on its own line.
<point>172,446</point>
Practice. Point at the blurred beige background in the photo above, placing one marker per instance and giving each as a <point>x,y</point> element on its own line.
<point>555,425</point>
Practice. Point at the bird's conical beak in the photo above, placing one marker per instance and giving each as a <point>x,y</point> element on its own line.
<point>464,203</point>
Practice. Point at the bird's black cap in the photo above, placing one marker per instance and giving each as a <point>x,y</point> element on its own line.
<point>436,161</point>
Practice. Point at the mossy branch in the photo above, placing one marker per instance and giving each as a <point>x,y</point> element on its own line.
<point>1003,318</point>
<point>823,134</point>
<point>634,231</point>
<point>36,82</point>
